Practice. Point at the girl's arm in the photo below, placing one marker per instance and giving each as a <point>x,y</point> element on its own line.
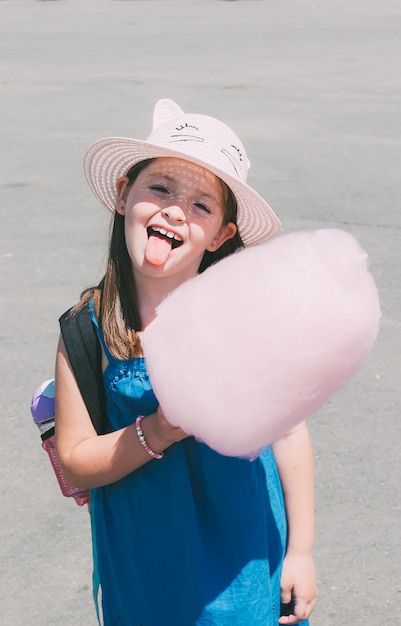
<point>293,454</point>
<point>89,460</point>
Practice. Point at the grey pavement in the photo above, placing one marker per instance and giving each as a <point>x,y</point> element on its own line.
<point>314,89</point>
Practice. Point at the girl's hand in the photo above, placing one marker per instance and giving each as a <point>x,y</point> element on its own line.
<point>298,584</point>
<point>160,432</point>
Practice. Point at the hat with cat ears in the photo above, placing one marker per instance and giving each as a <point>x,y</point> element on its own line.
<point>196,138</point>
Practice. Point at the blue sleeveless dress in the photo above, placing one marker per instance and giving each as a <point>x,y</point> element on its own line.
<point>193,539</point>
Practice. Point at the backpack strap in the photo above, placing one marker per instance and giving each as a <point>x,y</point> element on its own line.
<point>85,355</point>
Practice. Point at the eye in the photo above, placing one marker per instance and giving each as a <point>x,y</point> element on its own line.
<point>159,188</point>
<point>203,208</point>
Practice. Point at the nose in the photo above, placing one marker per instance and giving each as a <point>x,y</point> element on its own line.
<point>174,212</point>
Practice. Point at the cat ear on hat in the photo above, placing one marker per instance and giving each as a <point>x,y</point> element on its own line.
<point>164,111</point>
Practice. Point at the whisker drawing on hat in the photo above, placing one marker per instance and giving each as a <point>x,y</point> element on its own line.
<point>182,534</point>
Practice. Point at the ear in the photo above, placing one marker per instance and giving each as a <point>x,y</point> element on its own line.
<point>121,195</point>
<point>226,231</point>
<point>165,110</point>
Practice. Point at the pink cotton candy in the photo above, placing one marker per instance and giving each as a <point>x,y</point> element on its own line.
<point>258,342</point>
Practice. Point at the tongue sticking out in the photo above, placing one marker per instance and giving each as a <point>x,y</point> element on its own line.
<point>157,250</point>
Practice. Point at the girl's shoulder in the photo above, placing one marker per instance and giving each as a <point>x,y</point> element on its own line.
<point>110,363</point>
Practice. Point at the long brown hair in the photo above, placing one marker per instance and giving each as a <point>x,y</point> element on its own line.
<point>115,297</point>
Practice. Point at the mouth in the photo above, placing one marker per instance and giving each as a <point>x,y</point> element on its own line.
<point>161,233</point>
<point>161,242</point>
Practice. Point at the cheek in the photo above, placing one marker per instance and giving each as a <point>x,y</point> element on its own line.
<point>202,234</point>
<point>132,233</point>
<point>206,228</point>
<point>130,220</point>
<point>133,218</point>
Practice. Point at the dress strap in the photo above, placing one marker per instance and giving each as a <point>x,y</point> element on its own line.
<point>108,354</point>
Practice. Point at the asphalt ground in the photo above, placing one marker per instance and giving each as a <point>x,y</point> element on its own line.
<point>314,90</point>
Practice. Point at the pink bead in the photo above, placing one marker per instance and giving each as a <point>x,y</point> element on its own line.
<point>142,439</point>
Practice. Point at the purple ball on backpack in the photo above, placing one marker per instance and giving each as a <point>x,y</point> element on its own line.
<point>42,404</point>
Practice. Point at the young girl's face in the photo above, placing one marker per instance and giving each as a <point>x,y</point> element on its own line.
<point>174,211</point>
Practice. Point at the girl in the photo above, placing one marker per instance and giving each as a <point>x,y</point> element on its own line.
<point>182,536</point>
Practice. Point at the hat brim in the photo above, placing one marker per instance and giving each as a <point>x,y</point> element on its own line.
<point>112,157</point>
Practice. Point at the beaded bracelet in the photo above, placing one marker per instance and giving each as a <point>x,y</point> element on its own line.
<point>141,437</point>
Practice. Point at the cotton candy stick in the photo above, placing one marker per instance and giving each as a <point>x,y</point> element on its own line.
<point>257,343</point>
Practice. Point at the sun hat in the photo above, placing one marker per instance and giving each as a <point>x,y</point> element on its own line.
<point>196,138</point>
